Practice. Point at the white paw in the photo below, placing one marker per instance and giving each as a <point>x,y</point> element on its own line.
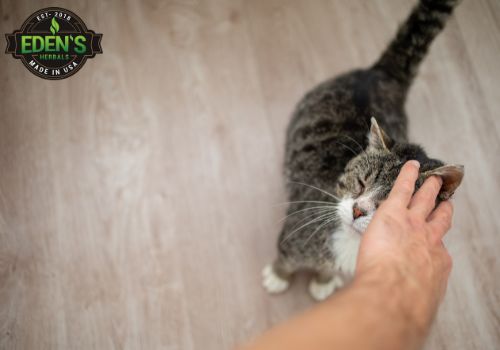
<point>272,282</point>
<point>321,291</point>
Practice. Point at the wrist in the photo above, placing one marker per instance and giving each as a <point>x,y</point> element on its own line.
<point>390,291</point>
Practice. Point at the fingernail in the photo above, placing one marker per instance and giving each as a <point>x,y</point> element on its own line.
<point>415,163</point>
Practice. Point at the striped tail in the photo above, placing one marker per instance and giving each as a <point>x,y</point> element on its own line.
<point>404,54</point>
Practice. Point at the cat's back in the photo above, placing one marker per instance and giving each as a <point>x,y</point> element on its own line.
<point>330,123</point>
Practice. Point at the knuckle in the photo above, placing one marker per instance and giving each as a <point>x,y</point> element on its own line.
<point>447,215</point>
<point>444,225</point>
<point>407,185</point>
<point>444,218</point>
<point>446,221</point>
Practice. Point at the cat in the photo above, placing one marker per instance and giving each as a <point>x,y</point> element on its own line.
<point>340,162</point>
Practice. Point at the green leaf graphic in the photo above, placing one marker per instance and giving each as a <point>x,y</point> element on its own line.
<point>54,26</point>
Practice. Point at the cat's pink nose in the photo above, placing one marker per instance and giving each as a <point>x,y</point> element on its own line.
<point>357,211</point>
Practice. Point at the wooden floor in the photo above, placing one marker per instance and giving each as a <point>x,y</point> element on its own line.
<point>138,197</point>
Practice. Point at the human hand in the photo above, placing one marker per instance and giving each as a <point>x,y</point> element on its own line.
<point>403,245</point>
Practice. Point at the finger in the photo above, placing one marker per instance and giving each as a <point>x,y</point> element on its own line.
<point>424,200</point>
<point>405,184</point>
<point>440,219</point>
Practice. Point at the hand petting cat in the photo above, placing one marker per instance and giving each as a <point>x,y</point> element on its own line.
<point>401,276</point>
<point>403,243</point>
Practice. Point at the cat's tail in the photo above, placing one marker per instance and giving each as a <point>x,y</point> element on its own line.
<point>404,54</point>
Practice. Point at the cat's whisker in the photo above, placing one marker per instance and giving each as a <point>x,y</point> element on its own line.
<point>294,202</point>
<point>360,147</point>
<point>328,207</point>
<point>318,212</point>
<point>306,224</point>
<point>356,142</point>
<point>356,154</point>
<point>326,222</point>
<point>349,148</point>
<point>316,188</point>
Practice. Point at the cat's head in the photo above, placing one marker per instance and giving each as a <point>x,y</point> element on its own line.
<point>369,177</point>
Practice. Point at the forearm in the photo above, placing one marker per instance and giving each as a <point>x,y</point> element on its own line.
<point>371,313</point>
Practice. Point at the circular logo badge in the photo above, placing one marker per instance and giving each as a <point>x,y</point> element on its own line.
<point>53,43</point>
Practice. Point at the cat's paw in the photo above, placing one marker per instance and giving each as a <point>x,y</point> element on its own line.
<point>321,291</point>
<point>272,282</point>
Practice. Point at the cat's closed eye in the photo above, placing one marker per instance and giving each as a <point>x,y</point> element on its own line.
<point>361,187</point>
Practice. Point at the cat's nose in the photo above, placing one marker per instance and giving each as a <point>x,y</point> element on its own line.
<point>357,211</point>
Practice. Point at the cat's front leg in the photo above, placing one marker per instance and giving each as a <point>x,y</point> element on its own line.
<point>321,289</point>
<point>276,277</point>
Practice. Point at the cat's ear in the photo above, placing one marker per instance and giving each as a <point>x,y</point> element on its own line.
<point>377,138</point>
<point>452,176</point>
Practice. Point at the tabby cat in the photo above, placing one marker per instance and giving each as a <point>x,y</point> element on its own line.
<point>340,162</point>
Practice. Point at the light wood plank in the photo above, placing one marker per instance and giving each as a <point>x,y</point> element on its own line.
<point>138,198</point>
